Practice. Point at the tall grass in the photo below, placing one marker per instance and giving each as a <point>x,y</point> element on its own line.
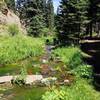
<point>19,47</point>
<point>71,56</point>
<point>13,29</point>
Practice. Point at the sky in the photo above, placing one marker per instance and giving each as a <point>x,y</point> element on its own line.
<point>56,4</point>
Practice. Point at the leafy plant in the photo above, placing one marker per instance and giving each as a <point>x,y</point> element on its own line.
<point>75,61</point>
<point>20,80</point>
<point>81,90</point>
<point>54,94</point>
<point>84,71</point>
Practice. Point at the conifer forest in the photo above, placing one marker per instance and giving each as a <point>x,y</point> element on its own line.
<point>49,49</point>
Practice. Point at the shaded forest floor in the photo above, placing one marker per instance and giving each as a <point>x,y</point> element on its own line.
<point>92,48</point>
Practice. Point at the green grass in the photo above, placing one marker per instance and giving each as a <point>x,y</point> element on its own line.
<point>13,30</point>
<point>23,93</point>
<point>34,93</point>
<point>9,69</point>
<point>71,56</point>
<point>19,47</point>
<point>81,90</point>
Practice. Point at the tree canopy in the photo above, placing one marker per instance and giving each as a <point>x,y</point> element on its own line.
<point>36,14</point>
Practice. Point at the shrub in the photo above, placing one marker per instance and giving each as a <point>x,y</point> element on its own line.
<point>45,32</point>
<point>13,29</point>
<point>76,60</point>
<point>84,71</point>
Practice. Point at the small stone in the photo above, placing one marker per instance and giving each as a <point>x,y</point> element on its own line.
<point>49,81</point>
<point>44,61</point>
<point>66,81</point>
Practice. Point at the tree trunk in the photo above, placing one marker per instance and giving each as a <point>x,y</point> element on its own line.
<point>90,29</point>
<point>87,29</point>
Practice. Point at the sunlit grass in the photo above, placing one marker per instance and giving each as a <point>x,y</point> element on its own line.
<point>71,56</point>
<point>80,90</point>
<point>19,47</point>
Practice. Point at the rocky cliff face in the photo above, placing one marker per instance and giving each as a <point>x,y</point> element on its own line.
<point>7,17</point>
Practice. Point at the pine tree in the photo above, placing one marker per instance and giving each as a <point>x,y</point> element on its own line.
<point>44,12</point>
<point>33,15</point>
<point>35,26</point>
<point>50,15</point>
<point>93,15</point>
<point>34,18</point>
<point>10,4</point>
<point>72,16</point>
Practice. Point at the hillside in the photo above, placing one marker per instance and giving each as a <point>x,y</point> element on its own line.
<point>7,18</point>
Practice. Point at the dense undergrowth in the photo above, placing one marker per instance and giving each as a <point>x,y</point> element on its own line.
<point>72,58</point>
<point>81,88</point>
<point>19,47</point>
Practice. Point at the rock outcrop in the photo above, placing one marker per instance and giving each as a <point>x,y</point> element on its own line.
<point>8,17</point>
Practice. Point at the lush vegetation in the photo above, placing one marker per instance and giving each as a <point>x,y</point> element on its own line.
<point>70,55</point>
<point>35,53</point>
<point>80,90</point>
<point>72,58</point>
<point>19,47</point>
